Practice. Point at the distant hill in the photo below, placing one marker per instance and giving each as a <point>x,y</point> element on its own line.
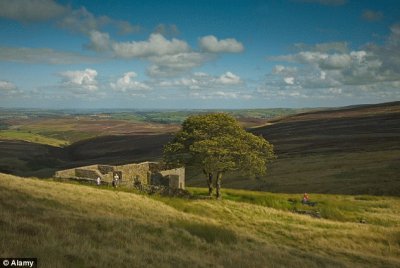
<point>119,149</point>
<point>30,159</point>
<point>363,128</point>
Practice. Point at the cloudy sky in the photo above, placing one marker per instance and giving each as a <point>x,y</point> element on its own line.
<point>198,54</point>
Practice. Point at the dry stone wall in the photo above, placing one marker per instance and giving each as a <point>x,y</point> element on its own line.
<point>145,173</point>
<point>65,174</point>
<point>132,172</point>
<point>104,169</point>
<point>87,173</point>
<point>176,177</point>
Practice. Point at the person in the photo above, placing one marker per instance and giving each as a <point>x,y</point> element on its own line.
<point>98,181</point>
<point>115,180</point>
<point>306,199</point>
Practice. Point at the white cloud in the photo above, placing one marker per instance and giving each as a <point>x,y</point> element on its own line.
<point>211,44</point>
<point>198,81</point>
<point>394,38</point>
<point>321,59</point>
<point>335,91</point>
<point>229,78</point>
<point>301,57</point>
<point>289,80</point>
<point>330,47</point>
<point>127,82</point>
<point>204,86</point>
<point>99,41</point>
<point>369,73</point>
<point>157,45</point>
<point>167,29</point>
<point>9,89</point>
<point>284,70</point>
<point>31,10</point>
<point>125,27</point>
<point>171,65</point>
<point>278,69</point>
<point>81,79</point>
<point>76,20</point>
<point>6,86</point>
<point>168,57</point>
<point>371,64</point>
<point>337,61</point>
<point>42,55</point>
<point>83,21</point>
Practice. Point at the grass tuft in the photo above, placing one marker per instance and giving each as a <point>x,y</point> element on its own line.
<point>210,233</point>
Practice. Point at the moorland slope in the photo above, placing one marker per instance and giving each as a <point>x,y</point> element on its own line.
<point>72,225</point>
<point>350,150</point>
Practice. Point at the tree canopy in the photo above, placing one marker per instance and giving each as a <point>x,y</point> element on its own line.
<point>216,143</point>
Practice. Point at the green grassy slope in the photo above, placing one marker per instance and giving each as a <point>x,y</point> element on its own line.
<point>69,225</point>
<point>31,137</point>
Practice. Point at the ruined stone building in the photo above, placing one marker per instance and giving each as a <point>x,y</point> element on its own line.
<point>146,173</point>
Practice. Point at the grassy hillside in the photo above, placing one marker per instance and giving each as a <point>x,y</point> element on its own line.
<point>71,225</point>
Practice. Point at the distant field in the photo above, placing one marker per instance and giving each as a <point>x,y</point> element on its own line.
<point>246,116</point>
<point>30,137</point>
<point>73,129</point>
<point>71,225</point>
<point>69,127</point>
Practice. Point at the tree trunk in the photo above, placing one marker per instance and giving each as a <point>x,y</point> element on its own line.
<point>218,185</point>
<point>209,182</point>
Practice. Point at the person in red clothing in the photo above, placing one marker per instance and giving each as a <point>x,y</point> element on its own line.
<point>305,198</point>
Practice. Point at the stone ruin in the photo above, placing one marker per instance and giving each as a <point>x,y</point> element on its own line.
<point>130,175</point>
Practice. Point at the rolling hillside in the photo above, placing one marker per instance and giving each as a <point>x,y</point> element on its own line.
<point>72,225</point>
<point>350,150</point>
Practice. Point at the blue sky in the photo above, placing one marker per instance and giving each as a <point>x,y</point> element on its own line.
<point>198,54</point>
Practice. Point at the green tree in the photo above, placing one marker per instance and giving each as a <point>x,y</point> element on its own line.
<point>215,144</point>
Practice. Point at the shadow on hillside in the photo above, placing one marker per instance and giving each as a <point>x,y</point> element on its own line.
<point>30,159</point>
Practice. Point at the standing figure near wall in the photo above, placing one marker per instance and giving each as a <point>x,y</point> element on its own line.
<point>115,180</point>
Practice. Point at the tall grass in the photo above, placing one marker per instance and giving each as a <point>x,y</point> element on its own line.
<point>70,225</point>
